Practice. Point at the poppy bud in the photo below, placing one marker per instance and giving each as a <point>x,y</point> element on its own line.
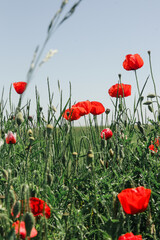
<point>151,95</point>
<point>147,103</point>
<point>75,154</point>
<point>30,118</point>
<point>29,222</point>
<point>16,208</point>
<point>111,152</point>
<point>30,133</point>
<point>141,98</point>
<point>90,156</point>
<point>19,118</point>
<point>31,139</point>
<point>54,109</point>
<point>107,111</point>
<point>49,129</point>
<point>150,108</point>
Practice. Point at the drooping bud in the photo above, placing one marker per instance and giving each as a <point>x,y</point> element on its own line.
<point>111,152</point>
<point>19,118</point>
<point>30,133</point>
<point>147,103</point>
<point>150,108</point>
<point>31,139</point>
<point>151,95</point>
<point>90,156</point>
<point>54,109</point>
<point>141,98</point>
<point>16,209</point>
<point>29,222</point>
<point>49,129</point>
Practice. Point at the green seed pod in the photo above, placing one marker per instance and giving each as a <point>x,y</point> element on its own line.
<point>151,95</point>
<point>16,208</point>
<point>19,118</point>
<point>147,103</point>
<point>29,223</point>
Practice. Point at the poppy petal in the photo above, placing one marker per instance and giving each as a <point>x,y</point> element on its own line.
<point>120,90</point>
<point>97,108</point>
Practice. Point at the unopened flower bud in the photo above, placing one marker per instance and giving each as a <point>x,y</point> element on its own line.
<point>54,109</point>
<point>147,103</point>
<point>30,133</point>
<point>31,139</point>
<point>151,95</point>
<point>29,222</point>
<point>107,111</point>
<point>16,209</point>
<point>111,152</point>
<point>74,154</point>
<point>19,118</point>
<point>30,118</point>
<point>49,129</point>
<point>150,108</point>
<point>90,156</point>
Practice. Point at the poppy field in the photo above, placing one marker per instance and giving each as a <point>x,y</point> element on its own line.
<point>100,181</point>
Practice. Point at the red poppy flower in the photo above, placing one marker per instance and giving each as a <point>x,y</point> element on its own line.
<point>20,228</point>
<point>10,137</point>
<point>120,90</point>
<point>20,87</point>
<point>84,104</point>
<point>38,206</point>
<point>106,133</point>
<point>133,62</point>
<point>152,148</point>
<point>134,200</point>
<point>74,113</point>
<point>130,236</point>
<point>97,108</point>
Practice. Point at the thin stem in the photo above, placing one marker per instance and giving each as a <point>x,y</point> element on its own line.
<point>139,95</point>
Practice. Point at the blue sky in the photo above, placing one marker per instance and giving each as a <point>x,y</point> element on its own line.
<point>91,45</point>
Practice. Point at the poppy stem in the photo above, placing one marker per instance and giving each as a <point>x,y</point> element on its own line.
<point>139,96</point>
<point>150,65</point>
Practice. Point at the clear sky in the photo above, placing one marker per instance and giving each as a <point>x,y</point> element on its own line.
<point>91,45</point>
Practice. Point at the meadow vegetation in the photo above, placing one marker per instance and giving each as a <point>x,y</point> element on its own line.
<point>61,182</point>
